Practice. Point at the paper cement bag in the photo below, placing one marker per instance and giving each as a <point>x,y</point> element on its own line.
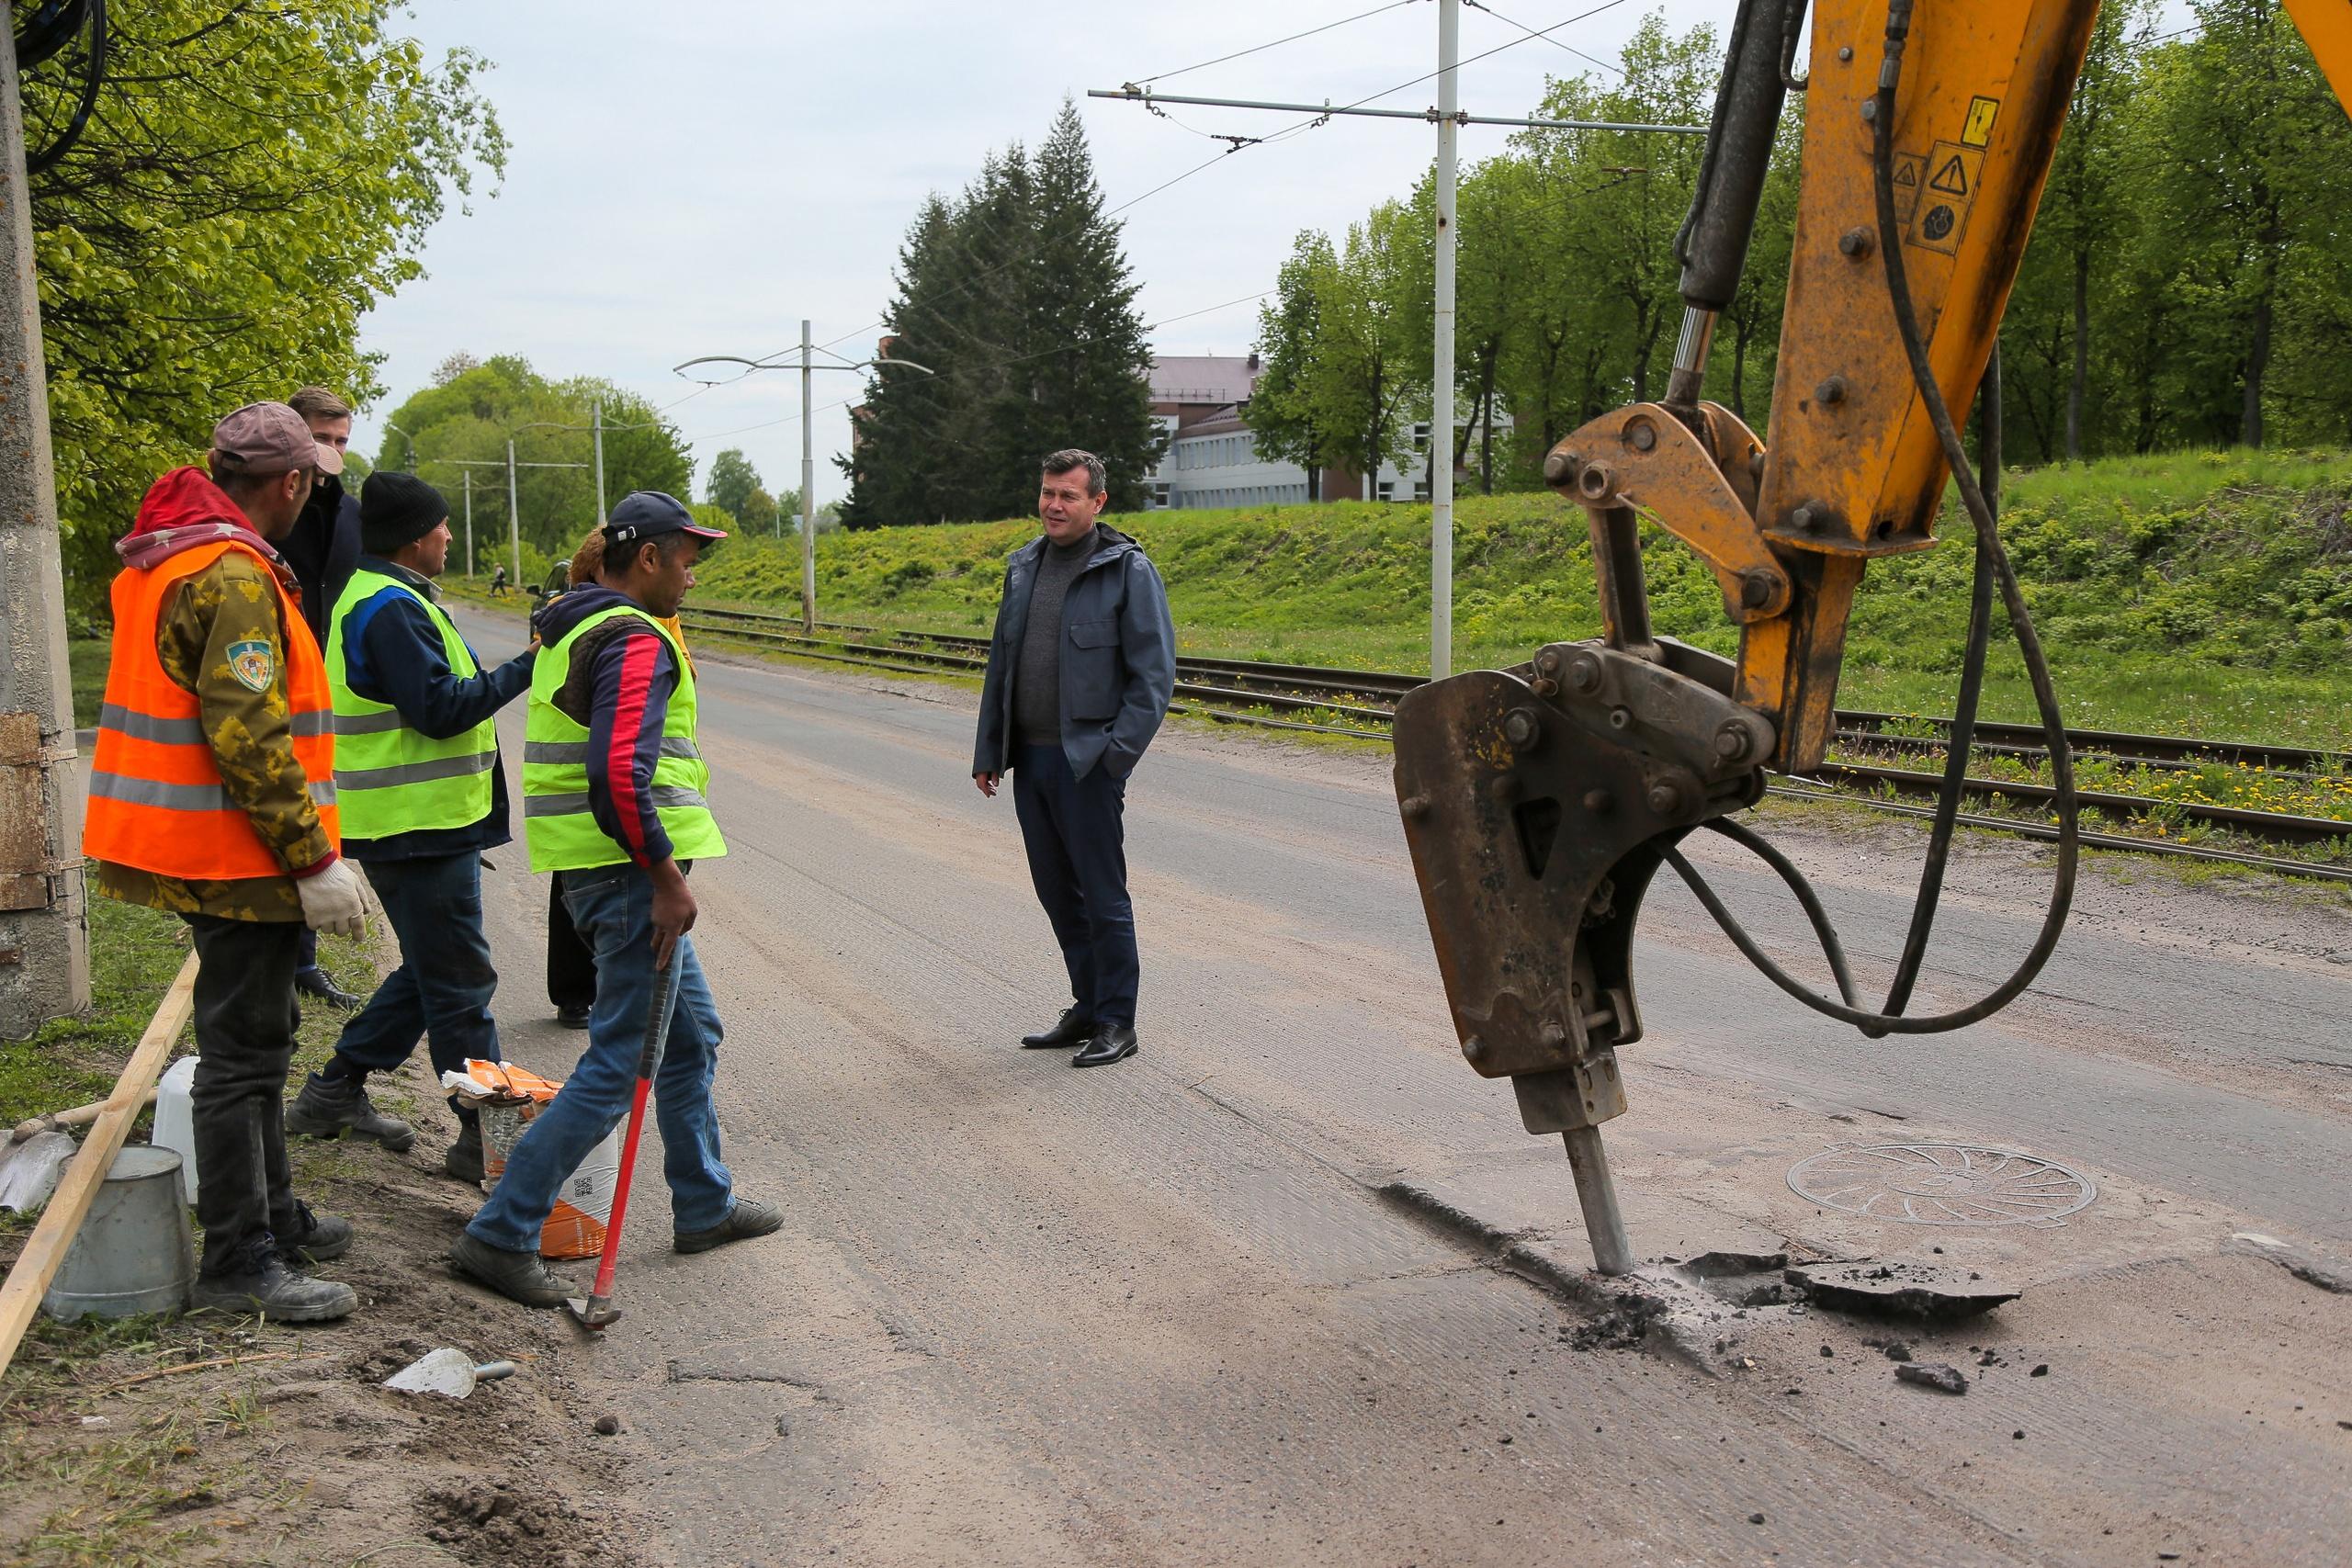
<point>508,1099</point>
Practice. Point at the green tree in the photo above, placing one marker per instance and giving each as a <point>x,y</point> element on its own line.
<point>462,427</point>
<point>732,485</point>
<point>1018,300</point>
<point>1288,420</point>
<point>252,182</point>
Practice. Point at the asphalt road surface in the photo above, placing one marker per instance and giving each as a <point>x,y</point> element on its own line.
<point>1293,1285</point>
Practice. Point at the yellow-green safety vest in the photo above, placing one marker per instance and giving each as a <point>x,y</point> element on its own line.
<point>557,824</point>
<point>392,778</point>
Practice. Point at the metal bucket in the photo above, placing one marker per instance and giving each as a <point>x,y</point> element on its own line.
<point>135,1251</point>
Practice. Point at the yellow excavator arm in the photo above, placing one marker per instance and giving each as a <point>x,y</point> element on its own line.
<point>1539,801</point>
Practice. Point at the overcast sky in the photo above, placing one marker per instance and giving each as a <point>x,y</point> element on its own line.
<point>694,177</point>
<point>697,176</point>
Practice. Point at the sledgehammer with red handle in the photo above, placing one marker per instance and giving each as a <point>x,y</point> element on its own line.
<point>598,1311</point>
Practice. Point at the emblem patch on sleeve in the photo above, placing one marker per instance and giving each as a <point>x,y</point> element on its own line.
<point>251,663</point>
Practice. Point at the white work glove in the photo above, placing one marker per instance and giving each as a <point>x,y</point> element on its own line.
<point>333,901</point>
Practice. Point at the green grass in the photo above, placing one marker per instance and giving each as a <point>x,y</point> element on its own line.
<point>86,656</point>
<point>2200,593</point>
<point>134,952</point>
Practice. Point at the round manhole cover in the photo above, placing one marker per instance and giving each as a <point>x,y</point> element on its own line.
<point>1941,1184</point>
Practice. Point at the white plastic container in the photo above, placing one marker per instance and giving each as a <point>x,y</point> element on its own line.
<point>176,1120</point>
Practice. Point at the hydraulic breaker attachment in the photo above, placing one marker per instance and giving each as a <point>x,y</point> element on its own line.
<point>1537,803</point>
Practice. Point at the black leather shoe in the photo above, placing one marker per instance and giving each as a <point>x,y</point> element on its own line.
<point>1112,1043</point>
<point>571,1018</point>
<point>318,983</point>
<point>1075,1028</point>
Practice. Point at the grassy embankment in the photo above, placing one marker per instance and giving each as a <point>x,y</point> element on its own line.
<point>2202,594</point>
<point>2193,593</point>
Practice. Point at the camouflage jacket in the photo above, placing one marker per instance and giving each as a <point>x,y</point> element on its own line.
<point>231,601</point>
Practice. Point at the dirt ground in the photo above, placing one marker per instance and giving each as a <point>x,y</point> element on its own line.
<point>292,1454</point>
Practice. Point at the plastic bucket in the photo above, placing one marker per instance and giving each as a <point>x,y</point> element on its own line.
<point>135,1251</point>
<point>176,1120</point>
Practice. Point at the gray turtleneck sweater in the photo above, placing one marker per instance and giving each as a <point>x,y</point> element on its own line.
<point>1037,678</point>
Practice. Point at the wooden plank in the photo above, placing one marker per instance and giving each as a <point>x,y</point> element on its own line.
<point>38,1265</point>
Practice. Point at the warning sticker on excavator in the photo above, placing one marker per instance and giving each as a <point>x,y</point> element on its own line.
<point>1939,215</point>
<point>1909,168</point>
<point>1982,113</point>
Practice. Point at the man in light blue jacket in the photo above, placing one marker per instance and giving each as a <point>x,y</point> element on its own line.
<point>1081,671</point>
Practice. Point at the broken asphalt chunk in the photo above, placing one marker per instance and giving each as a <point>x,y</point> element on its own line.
<point>1933,1374</point>
<point>1896,1289</point>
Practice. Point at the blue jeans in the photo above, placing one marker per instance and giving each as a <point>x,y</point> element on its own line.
<point>612,907</point>
<point>1075,836</point>
<point>445,979</point>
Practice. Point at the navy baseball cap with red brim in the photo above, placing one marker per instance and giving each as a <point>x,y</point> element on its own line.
<point>646,514</point>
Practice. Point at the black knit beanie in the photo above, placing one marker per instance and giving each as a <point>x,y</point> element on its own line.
<point>396,508</point>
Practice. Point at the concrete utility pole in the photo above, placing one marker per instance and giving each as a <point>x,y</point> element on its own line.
<point>808,496</point>
<point>44,931</point>
<point>1440,452</point>
<point>596,422</point>
<point>470,525</point>
<point>514,517</point>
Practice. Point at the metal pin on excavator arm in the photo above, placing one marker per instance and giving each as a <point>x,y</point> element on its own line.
<point>1539,801</point>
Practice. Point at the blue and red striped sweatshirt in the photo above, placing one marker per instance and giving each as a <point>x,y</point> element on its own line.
<point>619,685</point>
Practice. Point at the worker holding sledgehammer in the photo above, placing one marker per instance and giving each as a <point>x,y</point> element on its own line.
<point>614,804</point>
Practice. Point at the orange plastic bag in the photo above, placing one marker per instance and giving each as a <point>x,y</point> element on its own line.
<point>508,1099</point>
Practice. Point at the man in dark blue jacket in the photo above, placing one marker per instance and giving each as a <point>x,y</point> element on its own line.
<point>422,795</point>
<point>1080,675</point>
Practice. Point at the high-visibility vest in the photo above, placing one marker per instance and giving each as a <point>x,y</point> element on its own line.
<point>390,777</point>
<point>556,825</point>
<point>156,800</point>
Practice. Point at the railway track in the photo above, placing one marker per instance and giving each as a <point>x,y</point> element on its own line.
<point>1360,703</point>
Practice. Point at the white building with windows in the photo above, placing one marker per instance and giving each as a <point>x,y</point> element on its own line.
<point>1203,402</point>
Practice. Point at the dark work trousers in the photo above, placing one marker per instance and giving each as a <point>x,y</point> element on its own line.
<point>244,1037</point>
<point>441,991</point>
<point>571,966</point>
<point>309,957</point>
<point>1076,835</point>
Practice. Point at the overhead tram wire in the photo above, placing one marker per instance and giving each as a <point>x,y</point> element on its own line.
<point>1555,43</point>
<point>1260,49</point>
<point>1310,123</point>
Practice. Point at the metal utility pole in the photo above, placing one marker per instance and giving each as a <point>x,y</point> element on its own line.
<point>808,496</point>
<point>513,516</point>
<point>470,525</point>
<point>44,935</point>
<point>1440,451</point>
<point>807,444</point>
<point>1449,119</point>
<point>596,421</point>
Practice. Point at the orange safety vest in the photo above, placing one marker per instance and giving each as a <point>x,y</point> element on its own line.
<point>156,801</point>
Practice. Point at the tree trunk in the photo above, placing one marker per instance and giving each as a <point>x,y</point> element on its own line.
<point>2080,381</point>
<point>2257,363</point>
<point>1487,435</point>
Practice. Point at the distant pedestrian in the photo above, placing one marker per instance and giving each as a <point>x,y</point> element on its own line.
<point>498,583</point>
<point>1081,670</point>
<point>423,796</point>
<point>615,803</point>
